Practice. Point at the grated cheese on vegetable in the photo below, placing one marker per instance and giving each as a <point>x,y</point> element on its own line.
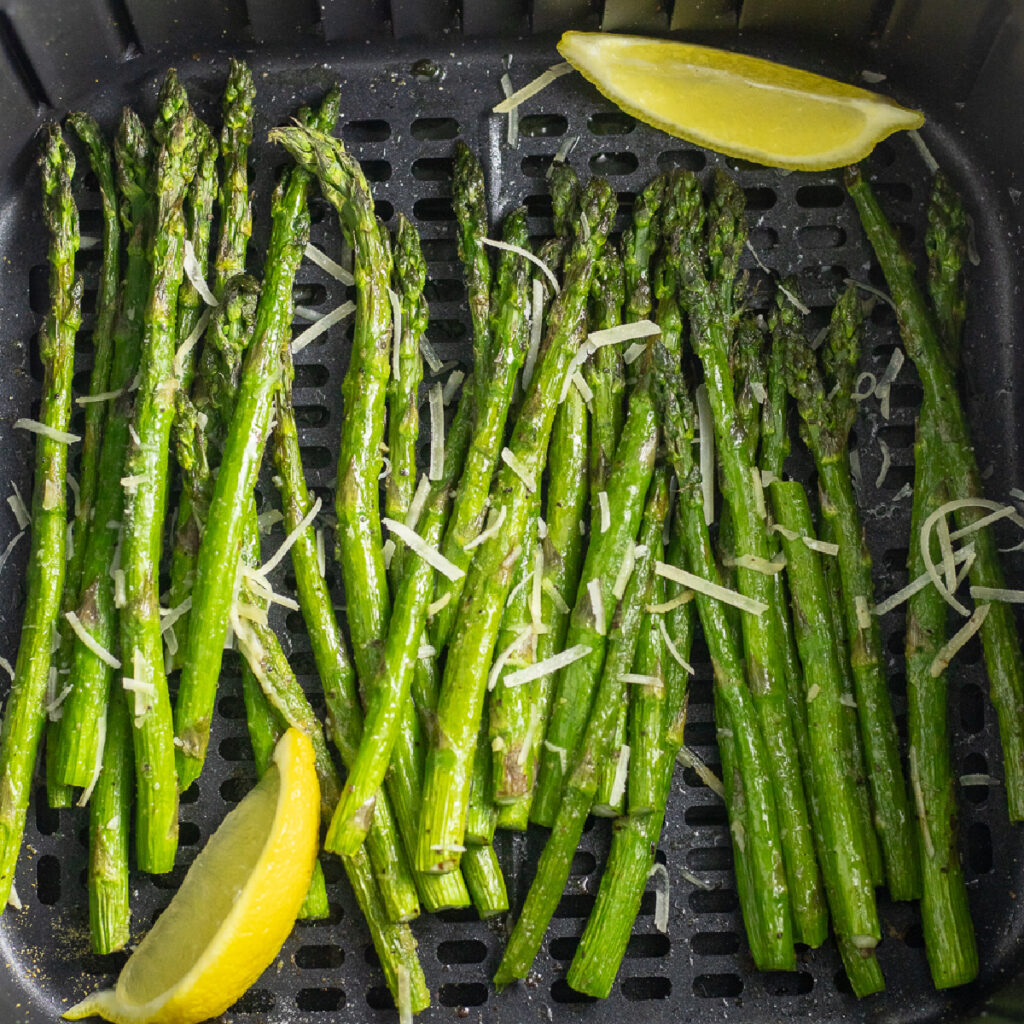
<point>661,896</point>
<point>626,567</point>
<point>784,531</point>
<point>131,483</point>
<point>978,780</point>
<point>567,146</point>
<point>195,276</point>
<point>35,427</point>
<point>948,650</point>
<point>606,516</point>
<point>582,387</point>
<point>526,254</point>
<point>707,453</point>
<point>435,606</point>
<point>307,314</point>
<point>101,742</point>
<point>266,521</point>
<point>452,385</point>
<point>512,135</point>
<point>560,751</point>
<point>755,563</point>
<point>813,692</point>
<point>557,600</point>
<point>494,522</point>
<point>542,81</point>
<point>19,508</point>
<point>419,546</point>
<point>324,262</point>
<point>419,500</point>
<point>321,553</point>
<point>7,667</point>
<point>388,551</point>
<point>286,545</point>
<point>1004,594</point>
<point>436,401</point>
<point>922,810</point>
<point>673,650</point>
<point>823,547</point>
<point>640,679</point>
<point>90,641</point>
<point>860,395</point>
<point>536,328</point>
<point>597,605</point>
<point>404,995</point>
<point>396,332</point>
<point>860,603</point>
<point>690,759</point>
<point>519,468</point>
<point>712,590</point>
<point>667,606</point>
<point>633,353</point>
<point>536,617</point>
<point>190,342</point>
<point>620,333</point>
<point>430,356</point>
<point>619,779</point>
<point>325,323</point>
<point>1001,512</point>
<point>425,652</point>
<point>120,594</point>
<point>503,657</point>
<point>759,393</point>
<point>883,390</point>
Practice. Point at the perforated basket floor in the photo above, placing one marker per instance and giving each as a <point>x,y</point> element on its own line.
<point>402,126</point>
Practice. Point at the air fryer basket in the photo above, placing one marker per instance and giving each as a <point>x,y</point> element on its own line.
<point>411,85</point>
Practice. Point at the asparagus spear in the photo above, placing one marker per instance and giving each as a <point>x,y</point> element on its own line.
<point>359,550</point>
<point>98,152</point>
<point>388,693</point>
<point>750,797</point>
<point>509,329</point>
<point>639,243</point>
<point>220,359</point>
<point>712,299</point>
<point>945,915</point>
<point>448,762</point>
<point>25,711</point>
<point>485,880</point>
<point>635,837</point>
<point>825,424</point>
<point>595,602</point>
<point>213,592</point>
<point>581,782</point>
<point>156,818</point>
<point>470,202</point>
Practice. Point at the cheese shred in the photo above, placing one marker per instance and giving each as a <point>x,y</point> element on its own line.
<point>713,590</point>
<point>542,81</point>
<point>419,546</point>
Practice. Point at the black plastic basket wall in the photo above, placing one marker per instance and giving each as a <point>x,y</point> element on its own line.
<point>962,63</point>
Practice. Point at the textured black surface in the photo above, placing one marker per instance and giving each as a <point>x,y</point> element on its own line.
<point>403,127</point>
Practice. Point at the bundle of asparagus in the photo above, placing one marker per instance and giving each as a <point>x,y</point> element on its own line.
<point>520,641</point>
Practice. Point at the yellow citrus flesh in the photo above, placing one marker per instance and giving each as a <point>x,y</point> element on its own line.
<point>738,105</point>
<point>234,909</point>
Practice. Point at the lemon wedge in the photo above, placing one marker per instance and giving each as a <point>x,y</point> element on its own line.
<point>738,105</point>
<point>234,909</point>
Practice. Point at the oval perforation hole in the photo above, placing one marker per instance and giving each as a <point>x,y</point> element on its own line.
<point>320,1000</point>
<point>316,456</point>
<point>191,795</point>
<point>972,708</point>
<point>467,993</point>
<point>235,748</point>
<point>706,815</point>
<point>47,817</point>
<point>189,833</point>
<point>701,734</point>
<point>682,160</point>
<point>893,191</point>
<point>439,250</point>
<point>312,415</point>
<point>110,964</point>
<point>643,989</point>
<point>309,293</point>
<point>713,901</point>
<point>384,210</point>
<point>562,992</point>
<point>537,126</point>
<point>324,958</point>
<point>717,986</point>
<point>433,168</point>
<point>820,236</point>
<point>709,858</point>
<point>444,290</point>
<point>441,331</point>
<point>310,375</point>
<point>611,122</point>
<point>817,197</point>
<point>536,165</point>
<point>979,848</point>
<point>913,936</point>
<point>648,947</point>
<point>376,170</point>
<point>564,947</point>
<point>462,951</point>
<point>433,129</point>
<point>583,862</point>
<point>763,238</point>
<point>231,706</point>
<point>788,983</point>
<point>171,881</point>
<point>48,880</point>
<point>433,208</point>
<point>613,164</point>
<point>366,131</point>
<point>760,197</point>
<point>232,790</point>
<point>575,905</point>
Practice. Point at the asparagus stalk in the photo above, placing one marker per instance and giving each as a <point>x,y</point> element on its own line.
<point>639,244</point>
<point>510,331</point>
<point>634,838</point>
<point>25,711</point>
<point>945,914</point>
<point>581,783</point>
<point>96,606</point>
<point>100,161</point>
<point>469,199</point>
<point>485,880</point>
<point>213,591</point>
<point>750,797</point>
<point>712,298</point>
<point>998,633</point>
<point>388,694</point>
<point>595,603</point>
<point>564,511</point>
<point>481,812</point>
<point>825,424</point>
<point>220,359</point>
<point>359,550</point>
<point>446,783</point>
<point>156,818</point>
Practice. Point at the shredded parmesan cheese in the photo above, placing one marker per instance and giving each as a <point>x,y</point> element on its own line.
<point>713,590</point>
<point>512,135</point>
<point>661,896</point>
<point>425,652</point>
<point>131,483</point>
<point>321,554</point>
<point>388,551</point>
<point>860,603</point>
<point>35,427</point>
<point>436,432</point>
<point>626,568</point>
<point>493,526</point>
<point>672,649</point>
<point>860,394</point>
<point>503,657</point>
<point>286,545</point>
<point>667,606</point>
<point>7,667</point>
<point>884,388</point>
<point>755,476</point>
<point>547,666</point>
<point>620,333</point>
<point>419,546</point>
<point>430,356</point>
<point>101,742</point>
<point>542,81</point>
<point>813,692</point>
<point>886,463</point>
<point>1003,594</point>
<point>435,606</point>
<point>452,385</point>
<point>978,780</point>
<point>90,641</point>
<point>194,273</point>
<point>325,323</point>
<point>633,353</point>
<point>526,254</point>
<point>535,595</point>
<point>324,262</point>
<point>404,995</point>
<point>597,605</point>
<point>536,328</point>
<point>707,454</point>
<point>560,751</point>
<point>557,600</point>
<point>396,332</point>
<point>690,759</point>
<point>606,516</point>
<point>640,679</point>
<point>178,364</point>
<point>419,500</point>
<point>922,810</point>
<point>19,508</point>
<point>619,779</point>
<point>519,468</point>
<point>120,594</point>
<point>949,649</point>
<point>823,547</point>
<point>755,563</point>
<point>582,387</point>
